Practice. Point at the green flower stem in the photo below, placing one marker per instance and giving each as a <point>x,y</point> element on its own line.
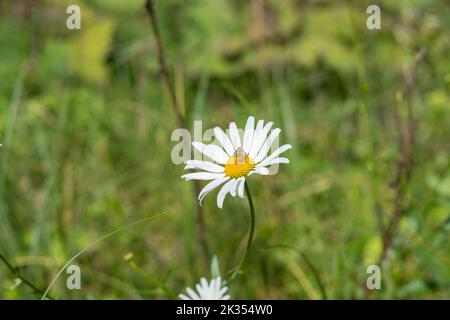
<point>250,233</point>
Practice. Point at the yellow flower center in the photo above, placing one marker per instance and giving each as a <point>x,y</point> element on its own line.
<point>236,169</point>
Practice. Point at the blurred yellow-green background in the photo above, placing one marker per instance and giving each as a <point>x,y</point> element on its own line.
<point>86,123</point>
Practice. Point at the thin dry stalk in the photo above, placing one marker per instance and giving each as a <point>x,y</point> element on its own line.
<point>406,135</point>
<point>200,222</point>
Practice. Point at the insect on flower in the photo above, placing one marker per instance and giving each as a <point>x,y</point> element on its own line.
<point>235,160</point>
<point>240,155</point>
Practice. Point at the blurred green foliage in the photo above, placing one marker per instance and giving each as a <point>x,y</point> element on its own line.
<point>85,125</point>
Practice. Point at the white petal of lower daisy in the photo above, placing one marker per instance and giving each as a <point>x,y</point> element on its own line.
<point>262,171</point>
<point>211,290</point>
<point>240,187</point>
<point>224,140</point>
<point>211,151</point>
<point>267,144</point>
<point>216,287</point>
<point>202,288</point>
<point>212,293</point>
<point>211,186</point>
<point>275,154</point>
<point>223,192</point>
<point>248,134</point>
<point>222,294</point>
<point>202,176</point>
<point>259,142</point>
<point>193,294</point>
<point>204,165</point>
<point>205,290</point>
<point>234,135</point>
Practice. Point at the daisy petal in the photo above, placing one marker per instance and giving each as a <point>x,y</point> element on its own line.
<point>202,176</point>
<point>248,134</point>
<point>212,290</point>
<point>274,161</point>
<point>234,135</point>
<point>267,144</point>
<point>233,186</point>
<point>223,192</point>
<point>258,130</point>
<point>275,154</point>
<point>210,186</point>
<point>202,288</point>
<point>211,151</point>
<point>256,133</point>
<point>240,187</point>
<point>192,294</point>
<point>224,140</point>
<point>259,142</point>
<point>204,165</point>
<point>217,284</point>
<point>223,291</point>
<point>233,190</point>
<point>262,171</point>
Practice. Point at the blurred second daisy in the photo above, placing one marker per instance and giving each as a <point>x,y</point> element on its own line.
<point>213,290</point>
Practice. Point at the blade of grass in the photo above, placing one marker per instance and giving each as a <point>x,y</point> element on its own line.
<point>310,265</point>
<point>90,246</point>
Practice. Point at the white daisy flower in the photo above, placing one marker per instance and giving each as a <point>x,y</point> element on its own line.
<point>236,160</point>
<point>206,291</point>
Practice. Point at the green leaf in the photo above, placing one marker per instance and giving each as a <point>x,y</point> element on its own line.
<point>372,250</point>
<point>215,270</point>
<point>88,50</point>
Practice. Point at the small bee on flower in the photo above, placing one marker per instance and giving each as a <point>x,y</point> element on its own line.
<point>240,155</point>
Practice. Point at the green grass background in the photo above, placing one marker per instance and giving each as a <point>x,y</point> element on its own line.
<point>86,128</point>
